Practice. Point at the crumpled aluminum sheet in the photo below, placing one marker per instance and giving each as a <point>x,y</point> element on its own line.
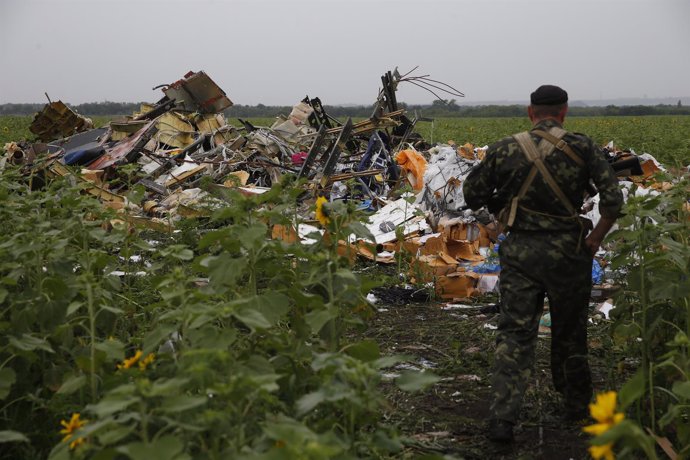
<point>442,192</point>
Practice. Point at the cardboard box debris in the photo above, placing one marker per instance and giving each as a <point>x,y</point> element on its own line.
<point>459,285</point>
<point>463,249</point>
<point>429,268</point>
<point>432,244</point>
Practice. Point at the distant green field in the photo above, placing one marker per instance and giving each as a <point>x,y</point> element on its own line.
<point>667,137</point>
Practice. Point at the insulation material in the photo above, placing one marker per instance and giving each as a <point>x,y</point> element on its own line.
<point>413,165</point>
<point>174,130</point>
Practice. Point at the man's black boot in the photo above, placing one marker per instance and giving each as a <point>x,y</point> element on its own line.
<point>576,415</point>
<point>500,431</point>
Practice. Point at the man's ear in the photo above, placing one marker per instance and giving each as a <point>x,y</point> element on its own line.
<point>562,113</point>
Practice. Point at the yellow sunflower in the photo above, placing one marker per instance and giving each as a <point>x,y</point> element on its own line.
<point>603,451</point>
<point>70,428</point>
<point>129,362</point>
<point>146,361</point>
<point>321,212</point>
<point>603,410</point>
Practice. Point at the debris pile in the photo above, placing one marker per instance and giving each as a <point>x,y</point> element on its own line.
<point>170,147</point>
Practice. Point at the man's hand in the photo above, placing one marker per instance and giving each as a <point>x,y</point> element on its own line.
<point>596,236</point>
<point>592,244</point>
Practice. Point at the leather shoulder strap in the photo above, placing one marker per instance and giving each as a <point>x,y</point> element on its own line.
<point>555,137</point>
<point>533,155</point>
<point>528,147</point>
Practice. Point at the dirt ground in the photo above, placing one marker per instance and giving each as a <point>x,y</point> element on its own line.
<point>449,418</point>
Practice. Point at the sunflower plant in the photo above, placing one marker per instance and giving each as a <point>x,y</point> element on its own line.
<point>613,431</point>
<point>229,343</point>
<point>652,318</point>
<point>69,429</point>
<point>334,254</point>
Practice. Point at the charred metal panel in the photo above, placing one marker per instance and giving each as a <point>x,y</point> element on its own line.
<point>126,150</point>
<point>197,92</point>
<point>56,120</point>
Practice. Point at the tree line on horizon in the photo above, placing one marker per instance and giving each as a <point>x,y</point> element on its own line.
<point>438,109</point>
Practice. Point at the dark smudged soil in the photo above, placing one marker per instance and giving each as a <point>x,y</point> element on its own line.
<point>449,418</point>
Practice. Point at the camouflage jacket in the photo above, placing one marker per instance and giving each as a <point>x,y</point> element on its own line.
<point>499,176</point>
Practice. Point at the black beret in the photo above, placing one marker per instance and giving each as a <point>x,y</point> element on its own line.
<point>548,95</point>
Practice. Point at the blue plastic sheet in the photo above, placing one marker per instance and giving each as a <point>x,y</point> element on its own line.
<point>486,267</point>
<point>492,263</point>
<point>597,272</point>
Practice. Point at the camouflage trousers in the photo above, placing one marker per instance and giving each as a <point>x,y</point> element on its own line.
<point>535,265</point>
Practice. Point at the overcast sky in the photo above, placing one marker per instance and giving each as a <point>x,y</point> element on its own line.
<point>275,52</point>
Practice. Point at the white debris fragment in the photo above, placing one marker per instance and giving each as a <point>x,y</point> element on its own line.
<point>385,221</point>
<point>605,308</point>
<point>426,363</point>
<point>303,230</point>
<point>460,306</point>
<point>120,273</point>
<point>468,378</point>
<point>648,157</point>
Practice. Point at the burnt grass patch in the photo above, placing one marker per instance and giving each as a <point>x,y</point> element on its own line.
<point>448,419</point>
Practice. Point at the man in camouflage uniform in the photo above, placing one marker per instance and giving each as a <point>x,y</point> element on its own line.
<point>548,251</point>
